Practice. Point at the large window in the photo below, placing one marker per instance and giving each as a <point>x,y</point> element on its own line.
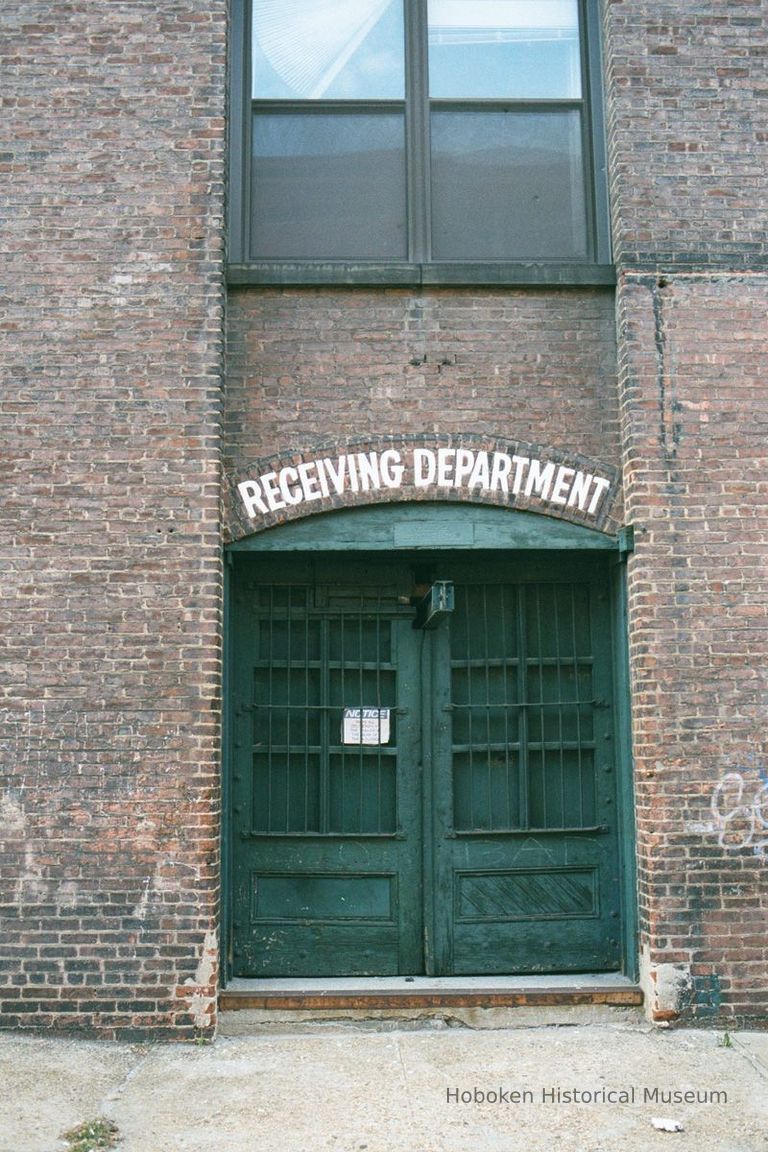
<point>417,139</point>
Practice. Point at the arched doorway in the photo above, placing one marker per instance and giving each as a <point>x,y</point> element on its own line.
<point>426,748</point>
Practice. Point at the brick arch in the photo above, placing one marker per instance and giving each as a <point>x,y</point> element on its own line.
<point>465,468</point>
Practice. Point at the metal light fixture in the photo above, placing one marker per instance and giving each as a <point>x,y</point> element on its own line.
<point>435,605</point>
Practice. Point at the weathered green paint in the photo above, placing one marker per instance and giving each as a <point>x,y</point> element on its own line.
<point>482,837</point>
<point>226,912</point>
<point>427,525</point>
<point>524,765</point>
<point>326,833</point>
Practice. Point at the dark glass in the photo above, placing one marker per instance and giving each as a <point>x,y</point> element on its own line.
<point>507,185</point>
<point>328,186</point>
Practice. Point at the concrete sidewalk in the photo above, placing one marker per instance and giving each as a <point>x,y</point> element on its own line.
<point>421,1086</point>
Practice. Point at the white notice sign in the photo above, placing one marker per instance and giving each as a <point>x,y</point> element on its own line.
<point>365,726</point>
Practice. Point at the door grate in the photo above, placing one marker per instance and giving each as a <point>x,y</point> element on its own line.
<point>522,705</point>
<point>312,667</point>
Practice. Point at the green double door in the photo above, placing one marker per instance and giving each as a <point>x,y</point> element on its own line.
<point>437,800</point>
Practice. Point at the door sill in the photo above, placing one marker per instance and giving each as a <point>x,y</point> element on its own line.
<point>350,993</point>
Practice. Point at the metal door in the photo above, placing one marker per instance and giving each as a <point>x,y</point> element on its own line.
<point>411,800</point>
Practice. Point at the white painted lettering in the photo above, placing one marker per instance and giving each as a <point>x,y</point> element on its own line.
<point>445,467</point>
<point>464,463</point>
<point>562,480</point>
<point>502,466</point>
<point>336,473</point>
<point>391,468</point>
<point>250,491</point>
<point>287,477</point>
<point>582,482</point>
<point>539,479</point>
<point>271,491</point>
<point>520,463</point>
<point>480,477</point>
<point>601,487</point>
<point>308,480</point>
<point>424,467</point>
<point>445,460</point>
<point>369,470</point>
<point>354,482</point>
<point>322,478</point>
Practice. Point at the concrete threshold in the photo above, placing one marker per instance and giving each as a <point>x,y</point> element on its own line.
<point>409,992</point>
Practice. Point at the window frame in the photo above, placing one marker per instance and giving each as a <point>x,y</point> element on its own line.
<point>418,269</point>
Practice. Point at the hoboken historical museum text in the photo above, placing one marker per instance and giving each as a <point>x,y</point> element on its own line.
<point>561,1095</point>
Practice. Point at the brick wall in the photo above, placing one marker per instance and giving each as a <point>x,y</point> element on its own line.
<point>695,418</point>
<point>311,366</point>
<point>110,344</point>
<point>687,143</point>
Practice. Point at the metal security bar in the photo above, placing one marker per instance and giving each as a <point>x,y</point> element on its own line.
<point>324,733</point>
<point>523,709</point>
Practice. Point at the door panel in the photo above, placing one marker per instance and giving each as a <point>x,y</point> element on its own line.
<point>462,819</point>
<point>327,822</point>
<point>526,859</point>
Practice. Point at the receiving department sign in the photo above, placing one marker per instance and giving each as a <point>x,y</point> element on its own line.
<point>514,475</point>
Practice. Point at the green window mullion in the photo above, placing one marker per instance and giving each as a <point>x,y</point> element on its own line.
<point>560,699</point>
<point>417,137</point>
<point>594,161</point>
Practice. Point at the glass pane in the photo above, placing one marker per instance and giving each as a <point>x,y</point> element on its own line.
<point>328,187</point>
<point>328,49</point>
<point>507,186</point>
<point>506,49</point>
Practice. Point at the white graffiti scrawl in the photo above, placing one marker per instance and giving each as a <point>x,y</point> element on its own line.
<point>740,813</point>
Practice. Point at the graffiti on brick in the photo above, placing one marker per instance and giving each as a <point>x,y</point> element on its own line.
<point>740,813</point>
